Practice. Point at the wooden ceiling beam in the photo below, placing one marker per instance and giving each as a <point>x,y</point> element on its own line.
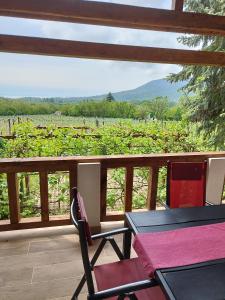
<point>177,5</point>
<point>116,15</point>
<point>65,48</point>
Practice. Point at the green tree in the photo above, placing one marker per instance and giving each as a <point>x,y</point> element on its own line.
<point>159,107</point>
<point>205,88</point>
<point>109,97</point>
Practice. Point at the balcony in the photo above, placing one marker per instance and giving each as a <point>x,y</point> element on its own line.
<point>43,261</point>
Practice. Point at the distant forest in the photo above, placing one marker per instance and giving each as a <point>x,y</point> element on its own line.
<point>159,108</point>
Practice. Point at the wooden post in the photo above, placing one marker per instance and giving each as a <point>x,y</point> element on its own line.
<point>10,128</point>
<point>103,191</point>
<point>14,205</point>
<point>43,176</point>
<point>152,187</point>
<point>177,5</point>
<point>129,188</point>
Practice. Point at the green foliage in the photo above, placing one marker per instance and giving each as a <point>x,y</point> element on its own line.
<point>109,97</point>
<point>205,89</point>
<point>124,137</point>
<point>108,108</point>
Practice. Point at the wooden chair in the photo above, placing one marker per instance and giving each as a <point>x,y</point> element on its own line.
<point>125,278</point>
<point>186,184</point>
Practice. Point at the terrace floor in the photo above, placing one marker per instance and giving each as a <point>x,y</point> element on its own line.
<point>44,263</point>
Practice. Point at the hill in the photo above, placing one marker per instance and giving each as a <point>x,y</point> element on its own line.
<point>147,91</point>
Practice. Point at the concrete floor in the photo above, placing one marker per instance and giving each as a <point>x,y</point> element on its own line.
<point>44,263</point>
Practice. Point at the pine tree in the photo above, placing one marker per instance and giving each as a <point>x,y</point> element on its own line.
<point>109,97</point>
<point>206,83</point>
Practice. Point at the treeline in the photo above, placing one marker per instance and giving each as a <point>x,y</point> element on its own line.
<point>159,108</point>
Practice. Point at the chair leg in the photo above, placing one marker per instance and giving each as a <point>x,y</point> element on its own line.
<point>116,248</point>
<point>132,296</point>
<point>121,297</point>
<point>79,288</point>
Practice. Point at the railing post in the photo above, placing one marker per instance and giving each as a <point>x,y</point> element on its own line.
<point>152,187</point>
<point>88,182</point>
<point>103,191</point>
<point>14,205</point>
<point>43,176</point>
<point>129,188</point>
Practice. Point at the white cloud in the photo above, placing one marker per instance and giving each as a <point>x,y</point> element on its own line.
<point>76,77</point>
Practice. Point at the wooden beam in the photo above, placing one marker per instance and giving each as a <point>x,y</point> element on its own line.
<point>117,15</point>
<point>177,5</point>
<point>65,48</point>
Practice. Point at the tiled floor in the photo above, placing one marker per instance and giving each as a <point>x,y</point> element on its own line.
<point>43,263</point>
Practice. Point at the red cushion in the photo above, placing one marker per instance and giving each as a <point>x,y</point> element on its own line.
<point>123,272</point>
<point>186,184</point>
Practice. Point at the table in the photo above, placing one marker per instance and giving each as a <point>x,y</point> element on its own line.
<point>204,281</point>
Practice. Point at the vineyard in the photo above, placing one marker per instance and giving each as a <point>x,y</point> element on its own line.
<point>121,137</point>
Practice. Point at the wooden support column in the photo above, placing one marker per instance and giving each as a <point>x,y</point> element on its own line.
<point>129,188</point>
<point>14,205</point>
<point>103,191</point>
<point>177,5</point>
<point>152,187</point>
<point>44,196</point>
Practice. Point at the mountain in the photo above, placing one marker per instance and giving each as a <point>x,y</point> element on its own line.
<point>147,91</point>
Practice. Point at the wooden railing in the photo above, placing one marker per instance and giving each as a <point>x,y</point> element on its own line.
<point>44,166</point>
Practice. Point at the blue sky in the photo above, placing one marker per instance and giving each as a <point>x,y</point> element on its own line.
<point>29,75</point>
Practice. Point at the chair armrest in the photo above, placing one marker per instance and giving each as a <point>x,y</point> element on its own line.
<point>126,288</point>
<point>109,233</point>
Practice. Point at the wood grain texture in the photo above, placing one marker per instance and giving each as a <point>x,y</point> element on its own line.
<point>43,177</point>
<point>129,188</point>
<point>152,187</point>
<point>65,48</point>
<point>110,14</point>
<point>13,194</point>
<point>177,5</point>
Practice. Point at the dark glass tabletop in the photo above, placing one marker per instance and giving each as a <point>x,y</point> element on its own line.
<point>205,281</point>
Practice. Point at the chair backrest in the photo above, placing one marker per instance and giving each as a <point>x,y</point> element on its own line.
<point>79,219</point>
<point>215,180</point>
<point>78,212</point>
<point>186,182</point>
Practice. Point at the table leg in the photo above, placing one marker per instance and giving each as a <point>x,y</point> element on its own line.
<point>126,243</point>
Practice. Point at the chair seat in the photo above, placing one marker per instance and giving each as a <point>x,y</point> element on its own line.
<point>123,272</point>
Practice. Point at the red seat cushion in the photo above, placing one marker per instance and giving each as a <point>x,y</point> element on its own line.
<point>186,184</point>
<point>123,272</point>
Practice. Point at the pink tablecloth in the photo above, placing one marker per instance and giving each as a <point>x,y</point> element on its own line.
<point>180,247</point>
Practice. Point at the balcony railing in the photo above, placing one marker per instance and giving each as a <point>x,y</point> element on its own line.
<point>45,166</point>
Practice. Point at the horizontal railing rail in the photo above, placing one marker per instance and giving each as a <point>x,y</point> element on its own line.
<point>46,165</point>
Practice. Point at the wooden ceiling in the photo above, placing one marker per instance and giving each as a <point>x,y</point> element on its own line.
<point>115,15</point>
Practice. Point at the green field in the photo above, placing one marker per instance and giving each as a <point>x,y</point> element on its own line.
<point>56,120</point>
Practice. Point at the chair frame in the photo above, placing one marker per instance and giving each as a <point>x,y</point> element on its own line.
<point>121,291</point>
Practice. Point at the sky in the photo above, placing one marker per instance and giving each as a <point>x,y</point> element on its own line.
<point>41,76</point>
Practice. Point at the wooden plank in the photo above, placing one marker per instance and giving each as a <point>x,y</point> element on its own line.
<point>103,191</point>
<point>110,14</point>
<point>35,224</point>
<point>38,164</point>
<point>129,188</point>
<point>13,195</point>
<point>152,187</point>
<point>109,218</point>
<point>177,5</point>
<point>43,177</point>
<point>54,47</point>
